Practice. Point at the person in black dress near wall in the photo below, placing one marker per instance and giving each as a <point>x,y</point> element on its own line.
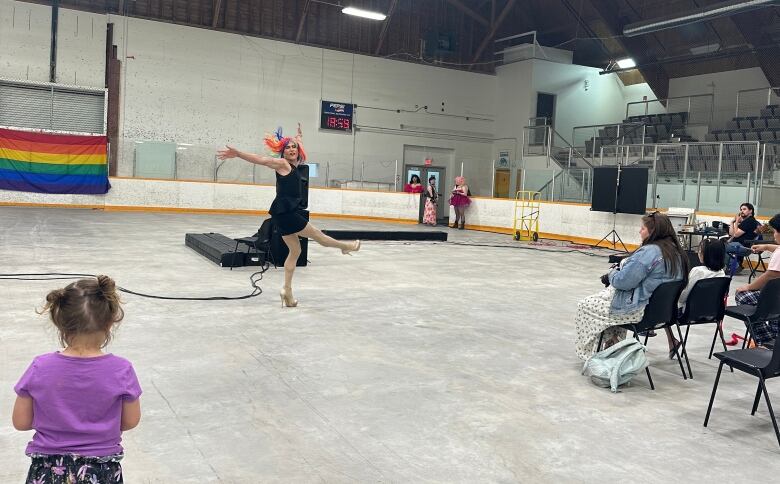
<point>286,209</point>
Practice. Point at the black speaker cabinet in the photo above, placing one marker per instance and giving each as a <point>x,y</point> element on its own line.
<point>630,189</point>
<point>279,249</point>
<point>303,171</point>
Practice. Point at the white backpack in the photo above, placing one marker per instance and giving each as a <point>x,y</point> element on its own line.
<point>617,364</point>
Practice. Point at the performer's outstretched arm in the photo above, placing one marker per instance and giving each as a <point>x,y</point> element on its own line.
<point>270,162</point>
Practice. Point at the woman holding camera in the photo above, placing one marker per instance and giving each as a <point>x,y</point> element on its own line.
<point>659,259</point>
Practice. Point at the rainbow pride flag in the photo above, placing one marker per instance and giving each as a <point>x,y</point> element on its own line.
<point>53,163</point>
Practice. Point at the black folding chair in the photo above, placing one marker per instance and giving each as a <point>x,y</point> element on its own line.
<point>260,242</point>
<point>705,305</point>
<point>768,309</point>
<point>753,268</point>
<point>659,313</point>
<point>760,362</point>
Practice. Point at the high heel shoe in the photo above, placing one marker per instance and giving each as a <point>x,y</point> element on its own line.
<point>287,298</point>
<point>355,248</point>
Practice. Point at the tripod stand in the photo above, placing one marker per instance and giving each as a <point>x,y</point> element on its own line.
<point>613,233</point>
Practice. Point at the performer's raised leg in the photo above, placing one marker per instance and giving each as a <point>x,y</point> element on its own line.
<point>294,247</point>
<point>312,232</point>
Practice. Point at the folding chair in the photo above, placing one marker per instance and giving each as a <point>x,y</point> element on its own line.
<point>768,308</point>
<point>705,305</point>
<point>760,262</point>
<point>260,242</point>
<point>659,313</point>
<point>759,362</point>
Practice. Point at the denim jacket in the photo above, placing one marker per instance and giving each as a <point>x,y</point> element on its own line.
<point>637,278</point>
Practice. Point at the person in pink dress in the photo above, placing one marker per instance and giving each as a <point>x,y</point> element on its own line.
<point>459,201</point>
<point>431,197</point>
<point>414,185</point>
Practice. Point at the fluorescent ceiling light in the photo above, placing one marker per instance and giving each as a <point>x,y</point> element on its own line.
<point>626,63</point>
<point>363,13</point>
<point>705,49</point>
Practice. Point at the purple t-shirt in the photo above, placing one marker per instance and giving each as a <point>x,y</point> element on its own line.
<point>77,403</point>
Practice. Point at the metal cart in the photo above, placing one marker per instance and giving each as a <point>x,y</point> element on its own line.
<point>526,223</point>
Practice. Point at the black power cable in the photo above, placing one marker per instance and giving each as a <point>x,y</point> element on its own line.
<point>596,252</point>
<point>562,250</point>
<point>254,280</point>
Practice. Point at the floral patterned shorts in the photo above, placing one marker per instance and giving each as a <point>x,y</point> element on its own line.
<point>74,469</point>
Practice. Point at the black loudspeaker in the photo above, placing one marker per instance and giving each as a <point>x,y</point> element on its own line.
<point>279,249</point>
<point>303,171</point>
<point>630,189</point>
<point>604,181</point>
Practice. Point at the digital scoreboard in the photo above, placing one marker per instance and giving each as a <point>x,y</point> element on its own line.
<point>336,116</point>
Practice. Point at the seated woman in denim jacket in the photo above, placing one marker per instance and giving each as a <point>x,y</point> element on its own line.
<point>660,259</point>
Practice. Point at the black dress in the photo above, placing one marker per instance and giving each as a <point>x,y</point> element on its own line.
<point>287,208</point>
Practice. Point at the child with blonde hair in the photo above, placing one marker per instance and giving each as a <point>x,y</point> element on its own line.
<point>79,400</point>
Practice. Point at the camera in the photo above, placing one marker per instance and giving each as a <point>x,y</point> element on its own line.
<point>605,280</point>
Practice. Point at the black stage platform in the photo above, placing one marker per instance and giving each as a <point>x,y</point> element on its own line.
<point>218,249</point>
<point>225,252</point>
<point>222,250</point>
<point>386,235</point>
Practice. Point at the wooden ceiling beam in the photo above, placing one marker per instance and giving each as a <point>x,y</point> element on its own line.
<point>471,13</point>
<point>385,26</point>
<point>215,17</point>
<point>752,26</point>
<point>302,21</point>
<point>493,30</point>
<point>635,47</point>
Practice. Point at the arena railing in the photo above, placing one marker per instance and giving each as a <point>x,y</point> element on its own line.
<point>700,108</point>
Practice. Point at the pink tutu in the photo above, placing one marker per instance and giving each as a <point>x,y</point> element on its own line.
<point>458,200</point>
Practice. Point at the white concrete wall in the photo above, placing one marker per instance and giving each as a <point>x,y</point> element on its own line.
<point>135,193</point>
<point>724,86</point>
<point>208,88</point>
<point>562,220</point>
<point>24,40</point>
<point>583,97</point>
<point>25,44</point>
<point>513,108</point>
<point>205,88</point>
<point>130,193</point>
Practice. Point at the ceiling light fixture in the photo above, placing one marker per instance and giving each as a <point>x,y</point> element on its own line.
<point>357,12</point>
<point>626,63</point>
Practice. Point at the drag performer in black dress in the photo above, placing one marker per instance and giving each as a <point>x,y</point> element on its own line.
<point>286,209</point>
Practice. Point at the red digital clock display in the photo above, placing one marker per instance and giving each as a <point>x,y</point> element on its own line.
<point>338,123</point>
<point>336,116</point>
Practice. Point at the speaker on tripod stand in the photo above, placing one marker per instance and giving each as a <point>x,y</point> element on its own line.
<point>619,189</point>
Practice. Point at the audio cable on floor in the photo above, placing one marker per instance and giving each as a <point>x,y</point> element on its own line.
<point>254,281</point>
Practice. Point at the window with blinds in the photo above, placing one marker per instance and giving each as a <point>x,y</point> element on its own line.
<point>52,107</point>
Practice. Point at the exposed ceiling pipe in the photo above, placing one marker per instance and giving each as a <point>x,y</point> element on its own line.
<point>714,11</point>
<point>683,59</point>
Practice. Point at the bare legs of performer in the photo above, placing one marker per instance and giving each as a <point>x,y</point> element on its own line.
<point>294,246</point>
<point>460,216</point>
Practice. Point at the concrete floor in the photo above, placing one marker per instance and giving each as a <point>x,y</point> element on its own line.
<point>418,362</point>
